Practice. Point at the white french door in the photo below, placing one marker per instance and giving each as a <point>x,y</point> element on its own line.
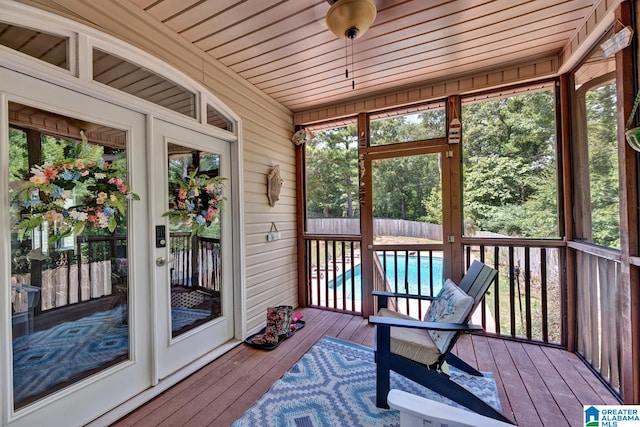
<point>193,279</point>
<point>47,342</point>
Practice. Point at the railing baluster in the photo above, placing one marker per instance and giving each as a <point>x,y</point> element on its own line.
<point>395,270</point>
<point>512,293</point>
<point>308,268</point>
<point>527,290</point>
<point>483,308</point>
<point>543,294</point>
<point>496,296</point>
<point>419,275</point>
<point>333,271</point>
<point>406,278</point>
<point>318,272</point>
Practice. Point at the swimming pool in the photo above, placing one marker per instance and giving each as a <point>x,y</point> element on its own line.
<point>399,267</point>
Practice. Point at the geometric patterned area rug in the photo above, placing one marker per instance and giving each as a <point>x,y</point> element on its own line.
<point>66,351</point>
<point>334,384</point>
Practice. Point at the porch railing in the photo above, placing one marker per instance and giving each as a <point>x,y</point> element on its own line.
<point>599,332</point>
<point>528,298</point>
<point>87,272</point>
<point>527,301</point>
<point>98,267</point>
<point>195,261</point>
<point>333,273</point>
<point>413,269</point>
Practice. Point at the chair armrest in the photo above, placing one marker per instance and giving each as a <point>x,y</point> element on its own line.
<point>383,297</point>
<point>418,324</point>
<point>400,295</point>
<point>415,409</point>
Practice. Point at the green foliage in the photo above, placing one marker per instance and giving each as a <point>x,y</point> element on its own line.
<point>510,177</point>
<point>510,166</point>
<point>403,185</point>
<point>415,127</point>
<point>603,165</point>
<point>19,165</point>
<point>404,188</point>
<point>332,173</point>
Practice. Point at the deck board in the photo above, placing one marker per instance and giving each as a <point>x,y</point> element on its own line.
<point>537,386</point>
<point>521,405</point>
<point>485,363</point>
<point>540,395</point>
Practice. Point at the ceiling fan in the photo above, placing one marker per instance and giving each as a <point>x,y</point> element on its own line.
<point>348,20</point>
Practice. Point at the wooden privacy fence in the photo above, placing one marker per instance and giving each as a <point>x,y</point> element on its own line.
<point>381,227</point>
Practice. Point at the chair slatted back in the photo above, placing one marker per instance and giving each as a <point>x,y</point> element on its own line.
<point>477,280</point>
<point>475,283</point>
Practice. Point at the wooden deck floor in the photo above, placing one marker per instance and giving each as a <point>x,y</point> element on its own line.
<point>538,386</point>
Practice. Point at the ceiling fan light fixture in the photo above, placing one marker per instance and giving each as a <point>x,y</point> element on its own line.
<point>350,19</point>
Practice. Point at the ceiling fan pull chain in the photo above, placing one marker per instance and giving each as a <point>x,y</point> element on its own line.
<point>346,59</point>
<point>353,70</point>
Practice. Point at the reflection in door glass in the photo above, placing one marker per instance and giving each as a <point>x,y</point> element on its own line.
<point>69,258</point>
<point>195,201</point>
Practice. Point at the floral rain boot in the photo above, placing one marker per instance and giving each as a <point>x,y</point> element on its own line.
<point>284,327</point>
<point>278,326</point>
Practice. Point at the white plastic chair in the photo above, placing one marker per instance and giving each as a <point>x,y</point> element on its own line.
<point>414,410</point>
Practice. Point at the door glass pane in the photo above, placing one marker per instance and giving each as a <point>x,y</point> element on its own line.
<point>217,119</point>
<point>69,281</point>
<point>195,199</point>
<point>407,211</point>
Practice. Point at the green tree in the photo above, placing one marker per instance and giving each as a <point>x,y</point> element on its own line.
<point>603,164</point>
<point>19,165</point>
<point>332,173</point>
<point>508,160</point>
<point>402,185</point>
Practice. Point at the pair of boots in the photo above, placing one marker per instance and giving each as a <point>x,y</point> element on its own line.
<point>278,325</point>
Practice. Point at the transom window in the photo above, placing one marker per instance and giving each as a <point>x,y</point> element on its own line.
<point>50,48</point>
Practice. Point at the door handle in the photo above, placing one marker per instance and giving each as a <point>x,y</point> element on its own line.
<point>160,261</point>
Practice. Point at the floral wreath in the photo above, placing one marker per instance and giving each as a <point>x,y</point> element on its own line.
<point>195,201</point>
<point>51,185</point>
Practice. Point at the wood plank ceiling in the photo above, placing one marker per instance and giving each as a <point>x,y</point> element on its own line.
<point>284,48</point>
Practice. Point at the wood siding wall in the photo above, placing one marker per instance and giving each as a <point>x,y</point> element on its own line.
<point>267,126</point>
